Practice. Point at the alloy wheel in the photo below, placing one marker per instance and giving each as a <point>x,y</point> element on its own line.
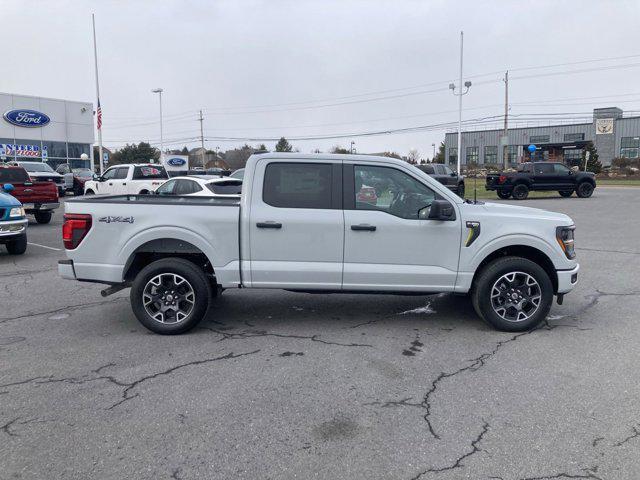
<point>168,298</point>
<point>516,296</point>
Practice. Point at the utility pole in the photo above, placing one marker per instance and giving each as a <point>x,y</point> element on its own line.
<point>505,135</point>
<point>460,93</point>
<point>352,144</point>
<point>201,119</point>
<point>434,152</point>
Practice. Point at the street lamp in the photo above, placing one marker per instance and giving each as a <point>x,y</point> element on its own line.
<point>434,152</point>
<point>159,92</point>
<point>453,87</point>
<point>351,150</point>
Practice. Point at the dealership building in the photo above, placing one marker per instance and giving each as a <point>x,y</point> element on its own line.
<point>46,129</point>
<point>613,135</point>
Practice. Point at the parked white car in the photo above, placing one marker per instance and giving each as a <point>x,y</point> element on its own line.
<point>202,186</point>
<point>42,172</point>
<point>131,179</point>
<point>300,225</point>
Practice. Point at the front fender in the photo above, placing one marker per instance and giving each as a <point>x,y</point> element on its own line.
<point>552,251</point>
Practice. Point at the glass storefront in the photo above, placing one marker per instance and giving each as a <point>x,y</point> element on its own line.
<point>54,153</point>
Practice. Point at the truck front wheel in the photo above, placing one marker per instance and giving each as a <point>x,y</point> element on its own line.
<point>17,246</point>
<point>503,194</point>
<point>584,190</point>
<point>170,296</point>
<point>512,294</point>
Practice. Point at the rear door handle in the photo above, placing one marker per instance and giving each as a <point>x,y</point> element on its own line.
<point>268,225</point>
<point>365,228</point>
<point>124,183</point>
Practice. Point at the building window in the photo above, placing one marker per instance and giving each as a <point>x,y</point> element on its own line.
<point>573,137</point>
<point>473,154</point>
<point>491,154</point>
<point>55,149</point>
<point>512,153</point>
<point>629,147</point>
<point>572,157</point>
<point>77,149</point>
<point>539,139</point>
<point>453,155</point>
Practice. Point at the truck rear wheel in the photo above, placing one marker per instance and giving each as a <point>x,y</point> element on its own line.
<point>565,193</point>
<point>170,296</point>
<point>43,217</point>
<point>17,246</point>
<point>512,294</point>
<point>503,194</point>
<point>520,191</point>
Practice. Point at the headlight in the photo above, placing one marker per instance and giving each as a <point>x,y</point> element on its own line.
<point>564,236</point>
<point>16,212</point>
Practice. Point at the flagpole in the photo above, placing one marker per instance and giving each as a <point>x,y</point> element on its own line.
<point>95,56</point>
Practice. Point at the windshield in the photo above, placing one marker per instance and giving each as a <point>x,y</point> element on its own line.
<point>36,167</point>
<point>13,175</point>
<point>83,173</point>
<point>227,187</point>
<point>238,174</point>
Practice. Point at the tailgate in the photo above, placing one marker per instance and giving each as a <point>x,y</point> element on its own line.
<point>492,179</point>
<point>38,192</point>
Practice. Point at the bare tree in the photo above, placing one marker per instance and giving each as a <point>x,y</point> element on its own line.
<point>414,156</point>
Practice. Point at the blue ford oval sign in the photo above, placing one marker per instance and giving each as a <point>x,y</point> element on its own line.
<point>176,162</point>
<point>26,118</point>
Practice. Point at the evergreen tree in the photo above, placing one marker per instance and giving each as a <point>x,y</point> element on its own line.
<point>593,164</point>
<point>283,145</point>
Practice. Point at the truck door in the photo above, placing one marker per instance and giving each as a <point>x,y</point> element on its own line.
<point>106,185</point>
<point>386,245</point>
<point>296,225</point>
<point>118,186</point>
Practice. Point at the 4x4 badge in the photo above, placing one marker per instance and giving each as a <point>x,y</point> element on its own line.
<point>111,219</point>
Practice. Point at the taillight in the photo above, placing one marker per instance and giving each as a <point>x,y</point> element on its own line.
<point>502,179</point>
<point>74,229</point>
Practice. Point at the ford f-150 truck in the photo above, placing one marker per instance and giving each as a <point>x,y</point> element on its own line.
<point>39,198</point>
<point>300,226</point>
<point>135,178</point>
<point>541,176</point>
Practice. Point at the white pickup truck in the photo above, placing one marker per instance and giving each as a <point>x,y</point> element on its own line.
<point>136,178</point>
<point>321,223</point>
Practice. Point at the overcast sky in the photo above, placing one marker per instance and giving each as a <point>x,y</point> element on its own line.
<point>273,68</point>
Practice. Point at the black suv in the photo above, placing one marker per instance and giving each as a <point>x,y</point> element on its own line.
<point>542,176</point>
<point>445,176</point>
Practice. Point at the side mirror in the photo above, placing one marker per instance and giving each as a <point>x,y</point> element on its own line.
<point>7,187</point>
<point>438,210</point>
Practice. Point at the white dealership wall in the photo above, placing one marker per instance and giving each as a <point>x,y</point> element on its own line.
<point>70,121</point>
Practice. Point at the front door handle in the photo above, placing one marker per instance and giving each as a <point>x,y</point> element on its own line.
<point>268,225</point>
<point>364,228</point>
<point>124,183</point>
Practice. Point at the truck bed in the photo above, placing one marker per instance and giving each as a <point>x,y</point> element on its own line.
<point>125,224</point>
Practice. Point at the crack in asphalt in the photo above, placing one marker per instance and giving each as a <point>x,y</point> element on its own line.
<point>635,434</point>
<point>459,461</point>
<point>626,252</point>
<point>62,309</point>
<point>588,473</point>
<point>126,386</point>
<point>264,333</point>
<point>6,428</point>
<point>26,272</point>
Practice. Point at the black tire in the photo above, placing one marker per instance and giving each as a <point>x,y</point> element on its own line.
<point>17,246</point>
<point>520,191</point>
<point>481,294</point>
<point>196,281</point>
<point>43,217</point>
<point>565,193</point>
<point>584,190</point>
<point>503,194</point>
<point>460,190</point>
<point>89,192</point>
<point>144,192</point>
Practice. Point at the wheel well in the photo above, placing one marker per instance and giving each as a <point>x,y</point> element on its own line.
<point>143,192</point>
<point>523,251</point>
<point>166,248</point>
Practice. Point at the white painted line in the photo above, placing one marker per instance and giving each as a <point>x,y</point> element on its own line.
<point>44,246</point>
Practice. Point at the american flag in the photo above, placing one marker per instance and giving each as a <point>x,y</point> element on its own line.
<point>99,115</point>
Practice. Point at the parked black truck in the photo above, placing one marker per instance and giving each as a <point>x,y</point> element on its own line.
<point>541,176</point>
<point>445,176</point>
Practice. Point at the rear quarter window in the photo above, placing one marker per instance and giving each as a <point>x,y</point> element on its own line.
<point>149,172</point>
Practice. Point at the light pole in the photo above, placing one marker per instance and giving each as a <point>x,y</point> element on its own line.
<point>352,144</point>
<point>452,86</point>
<point>434,152</point>
<point>159,92</point>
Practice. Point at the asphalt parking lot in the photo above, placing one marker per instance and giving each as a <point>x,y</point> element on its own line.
<point>283,385</point>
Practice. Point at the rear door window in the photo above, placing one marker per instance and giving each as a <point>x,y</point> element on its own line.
<point>229,187</point>
<point>13,175</point>
<point>542,168</point>
<point>298,185</point>
<point>121,173</point>
<point>149,172</point>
